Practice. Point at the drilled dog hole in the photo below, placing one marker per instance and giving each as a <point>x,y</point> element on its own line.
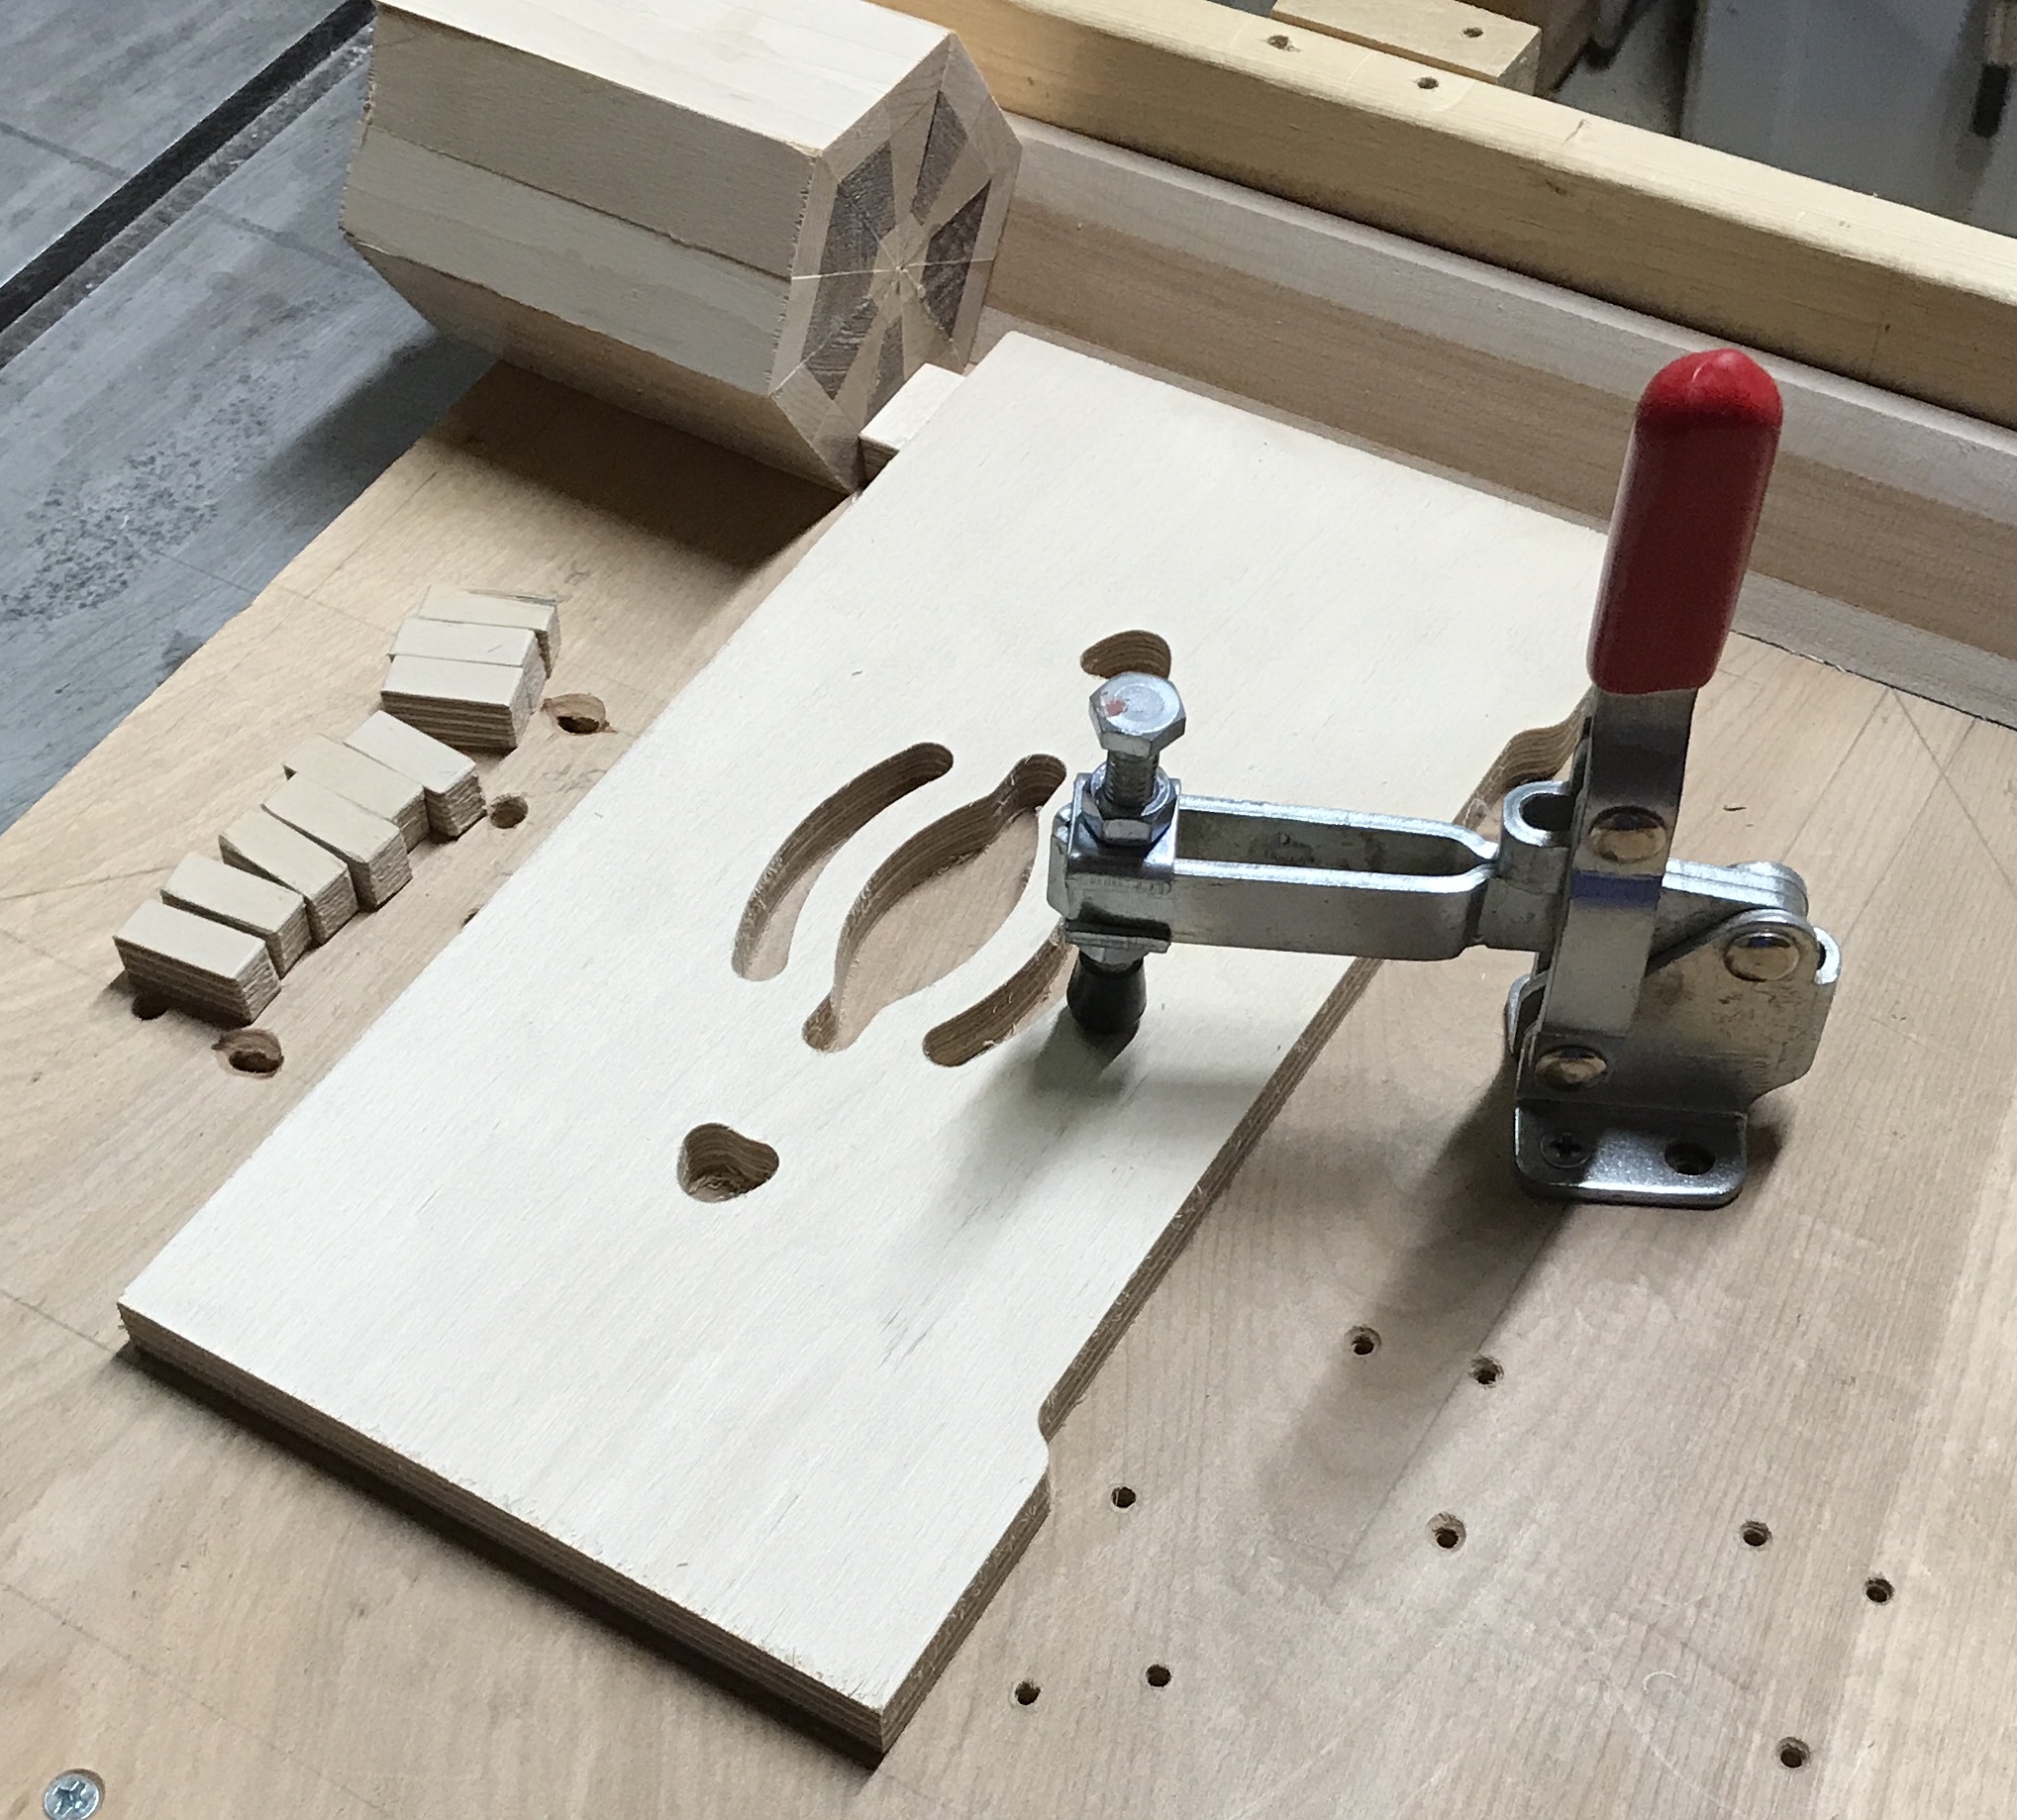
<point>146,1007</point>
<point>1145,653</point>
<point>1014,1005</point>
<point>1426,82</point>
<point>508,811</point>
<point>1027,1692</point>
<point>1754,1534</point>
<point>1446,1530</point>
<point>1364,1340</point>
<point>249,1052</point>
<point>1473,31</point>
<point>1280,42</point>
<point>935,902</point>
<point>1123,1497</point>
<point>1156,1674</point>
<point>717,1162</point>
<point>1794,1753</point>
<point>1485,1371</point>
<point>577,713</point>
<point>763,937</point>
<point>1878,1589</point>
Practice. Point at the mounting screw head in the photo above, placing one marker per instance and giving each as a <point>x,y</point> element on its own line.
<point>1762,955</point>
<point>1628,837</point>
<point>1137,715</point>
<point>73,1795</point>
<point>1571,1066</point>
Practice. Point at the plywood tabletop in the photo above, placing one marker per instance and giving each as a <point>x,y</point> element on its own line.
<point>1372,1344</point>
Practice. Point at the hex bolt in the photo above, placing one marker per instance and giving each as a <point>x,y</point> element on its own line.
<point>1762,956</point>
<point>1569,1067</point>
<point>1135,716</point>
<point>73,1795</point>
<point>1628,837</point>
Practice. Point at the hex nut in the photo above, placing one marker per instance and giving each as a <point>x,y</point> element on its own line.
<point>1628,837</point>
<point>1135,715</point>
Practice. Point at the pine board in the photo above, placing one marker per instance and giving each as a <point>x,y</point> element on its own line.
<point>803,1431</point>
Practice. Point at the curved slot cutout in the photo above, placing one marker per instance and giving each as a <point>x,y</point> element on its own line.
<point>763,937</point>
<point>717,1162</point>
<point>1146,652</point>
<point>1031,990</point>
<point>935,902</point>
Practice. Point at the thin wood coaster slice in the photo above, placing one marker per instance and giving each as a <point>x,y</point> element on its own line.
<point>474,707</point>
<point>260,843</point>
<point>275,913</point>
<point>539,614</point>
<point>372,847</point>
<point>458,642</point>
<point>448,780</point>
<point>755,217</point>
<point>218,972</point>
<point>759,1326</point>
<point>363,780</point>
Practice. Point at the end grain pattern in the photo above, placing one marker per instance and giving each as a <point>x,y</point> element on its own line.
<point>796,1420</point>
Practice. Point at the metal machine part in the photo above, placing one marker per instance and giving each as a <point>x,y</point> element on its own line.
<point>1665,996</point>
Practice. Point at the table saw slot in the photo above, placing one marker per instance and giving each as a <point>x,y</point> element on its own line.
<point>763,940</point>
<point>1000,827</point>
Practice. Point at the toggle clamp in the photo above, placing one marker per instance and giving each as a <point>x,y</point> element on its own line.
<point>1665,998</point>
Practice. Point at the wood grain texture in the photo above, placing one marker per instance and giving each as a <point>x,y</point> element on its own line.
<point>222,1627</point>
<point>816,1464</point>
<point>785,207</point>
<point>1845,282</point>
<point>1468,40</point>
<point>1907,512</point>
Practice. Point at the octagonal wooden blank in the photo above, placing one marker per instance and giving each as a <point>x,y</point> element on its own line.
<point>755,220</point>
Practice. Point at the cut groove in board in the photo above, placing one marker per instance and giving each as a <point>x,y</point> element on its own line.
<point>1003,823</point>
<point>1038,982</point>
<point>763,937</point>
<point>1145,653</point>
<point>806,1438</point>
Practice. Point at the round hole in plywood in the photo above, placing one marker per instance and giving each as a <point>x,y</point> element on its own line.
<point>1280,42</point>
<point>1365,1341</point>
<point>1794,1753</point>
<point>1485,1371</point>
<point>1156,1674</point>
<point>718,1163</point>
<point>1027,1692</point>
<point>1426,82</point>
<point>1878,1589</point>
<point>576,713</point>
<point>146,1007</point>
<point>1145,653</point>
<point>1754,1534</point>
<point>249,1052</point>
<point>1123,1497</point>
<point>508,811</point>
<point>1447,1532</point>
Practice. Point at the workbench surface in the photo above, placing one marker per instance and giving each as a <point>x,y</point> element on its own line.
<point>1372,1337</point>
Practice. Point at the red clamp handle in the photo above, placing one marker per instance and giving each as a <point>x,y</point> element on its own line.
<point>1702,446</point>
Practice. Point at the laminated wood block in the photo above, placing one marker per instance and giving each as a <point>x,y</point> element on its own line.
<point>364,781</point>
<point>761,1324</point>
<point>276,913</point>
<point>753,219</point>
<point>218,972</point>
<point>474,707</point>
<point>539,614</point>
<point>460,643</point>
<point>259,842</point>
<point>903,417</point>
<point>448,780</point>
<point>371,847</point>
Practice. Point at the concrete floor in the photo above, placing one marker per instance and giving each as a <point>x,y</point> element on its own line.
<point>185,413</point>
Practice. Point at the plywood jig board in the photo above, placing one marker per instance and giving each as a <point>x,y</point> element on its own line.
<point>742,1313</point>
